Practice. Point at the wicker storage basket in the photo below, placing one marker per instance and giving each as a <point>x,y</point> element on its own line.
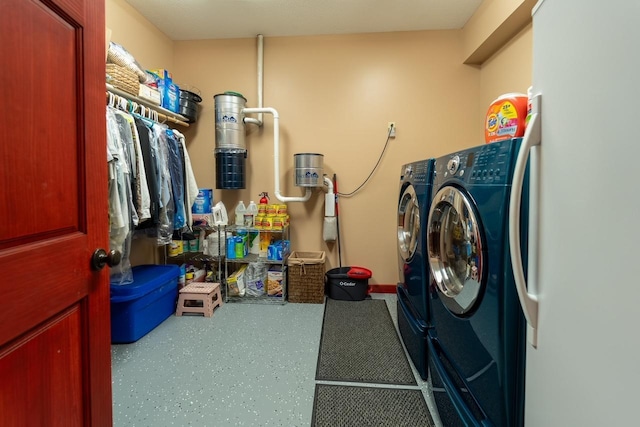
<point>123,79</point>
<point>305,282</point>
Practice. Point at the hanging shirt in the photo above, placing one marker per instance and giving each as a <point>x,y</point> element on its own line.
<point>165,227</point>
<point>126,139</point>
<point>122,216</point>
<point>150,158</point>
<point>190,184</point>
<point>142,200</point>
<point>176,169</point>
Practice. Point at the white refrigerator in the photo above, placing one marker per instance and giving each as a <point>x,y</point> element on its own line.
<point>583,286</point>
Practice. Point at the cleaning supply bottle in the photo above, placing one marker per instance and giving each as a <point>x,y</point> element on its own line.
<point>254,242</point>
<point>265,242</point>
<point>240,211</point>
<point>505,118</point>
<point>250,214</point>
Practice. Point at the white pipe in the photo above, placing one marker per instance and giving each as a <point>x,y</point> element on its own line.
<point>329,184</point>
<point>260,73</point>
<point>253,121</point>
<point>276,154</point>
<point>329,199</point>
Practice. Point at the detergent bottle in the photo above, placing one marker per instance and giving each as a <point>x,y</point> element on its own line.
<point>240,211</point>
<point>250,214</point>
<point>506,117</point>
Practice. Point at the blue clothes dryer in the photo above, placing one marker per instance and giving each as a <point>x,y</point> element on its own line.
<point>412,301</point>
<point>477,336</point>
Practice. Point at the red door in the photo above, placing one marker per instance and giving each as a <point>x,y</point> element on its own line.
<point>55,367</point>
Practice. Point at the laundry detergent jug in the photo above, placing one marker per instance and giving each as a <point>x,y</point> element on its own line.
<point>506,117</point>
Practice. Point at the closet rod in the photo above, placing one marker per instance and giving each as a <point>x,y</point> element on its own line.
<point>163,114</point>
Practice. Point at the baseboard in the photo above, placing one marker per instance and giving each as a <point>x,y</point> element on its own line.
<point>382,289</point>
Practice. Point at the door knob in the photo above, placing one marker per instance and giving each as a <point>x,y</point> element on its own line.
<point>101,258</point>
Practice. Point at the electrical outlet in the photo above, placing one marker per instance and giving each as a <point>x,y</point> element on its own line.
<point>391,129</point>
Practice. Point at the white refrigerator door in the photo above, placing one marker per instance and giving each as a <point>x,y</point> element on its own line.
<point>585,370</point>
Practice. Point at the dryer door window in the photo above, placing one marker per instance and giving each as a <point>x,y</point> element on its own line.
<point>408,224</point>
<point>455,249</point>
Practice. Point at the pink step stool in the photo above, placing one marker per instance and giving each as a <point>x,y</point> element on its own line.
<point>199,298</point>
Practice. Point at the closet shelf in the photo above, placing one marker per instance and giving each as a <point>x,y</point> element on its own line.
<point>163,113</point>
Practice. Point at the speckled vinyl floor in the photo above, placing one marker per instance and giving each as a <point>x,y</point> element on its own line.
<point>248,365</point>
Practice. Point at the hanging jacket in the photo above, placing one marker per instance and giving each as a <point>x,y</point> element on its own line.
<point>150,157</point>
<point>176,169</point>
<point>190,184</point>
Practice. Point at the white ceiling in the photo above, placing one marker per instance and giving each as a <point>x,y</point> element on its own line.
<point>216,19</point>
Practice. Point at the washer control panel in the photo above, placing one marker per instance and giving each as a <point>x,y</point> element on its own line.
<point>485,164</point>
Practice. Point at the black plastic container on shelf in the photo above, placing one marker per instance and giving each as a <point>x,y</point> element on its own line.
<point>189,105</point>
<point>348,283</point>
<point>230,168</point>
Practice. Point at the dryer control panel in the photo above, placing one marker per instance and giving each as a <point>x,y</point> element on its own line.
<point>417,172</point>
<point>486,164</point>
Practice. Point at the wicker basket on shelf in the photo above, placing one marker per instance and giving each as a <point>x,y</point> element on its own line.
<point>123,79</point>
<point>305,282</point>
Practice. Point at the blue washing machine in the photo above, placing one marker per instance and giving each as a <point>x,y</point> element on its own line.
<point>412,301</point>
<point>477,331</point>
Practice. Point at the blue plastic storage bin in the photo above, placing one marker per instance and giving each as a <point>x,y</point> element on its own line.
<point>139,307</point>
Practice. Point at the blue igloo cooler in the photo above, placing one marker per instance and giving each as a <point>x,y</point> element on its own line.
<point>137,308</point>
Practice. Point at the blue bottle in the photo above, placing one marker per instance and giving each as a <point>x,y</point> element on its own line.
<point>231,247</point>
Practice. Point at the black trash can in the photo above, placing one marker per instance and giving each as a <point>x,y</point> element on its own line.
<point>348,283</point>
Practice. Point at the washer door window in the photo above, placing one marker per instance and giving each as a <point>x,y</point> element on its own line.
<point>408,224</point>
<point>455,250</point>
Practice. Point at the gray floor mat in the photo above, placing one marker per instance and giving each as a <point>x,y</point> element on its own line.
<point>336,405</point>
<point>360,344</point>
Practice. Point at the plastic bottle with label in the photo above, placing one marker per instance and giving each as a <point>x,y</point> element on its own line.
<point>240,211</point>
<point>250,214</point>
<point>505,118</point>
<point>254,242</point>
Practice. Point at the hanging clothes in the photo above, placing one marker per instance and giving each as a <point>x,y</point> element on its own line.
<point>151,186</point>
<point>140,188</point>
<point>176,167</point>
<point>150,158</point>
<point>191,186</point>
<point>164,229</point>
<point>122,215</point>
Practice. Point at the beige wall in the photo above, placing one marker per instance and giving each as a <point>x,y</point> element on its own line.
<point>150,46</point>
<point>335,95</point>
<point>508,70</point>
<point>494,23</point>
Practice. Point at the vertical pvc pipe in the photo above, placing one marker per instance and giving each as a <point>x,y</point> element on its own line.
<point>260,74</point>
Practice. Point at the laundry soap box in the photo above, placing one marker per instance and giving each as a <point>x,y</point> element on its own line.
<point>139,307</point>
<point>169,91</point>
